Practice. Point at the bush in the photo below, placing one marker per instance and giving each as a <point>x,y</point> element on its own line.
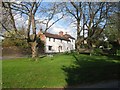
<point>7,42</point>
<point>118,52</point>
<point>96,51</point>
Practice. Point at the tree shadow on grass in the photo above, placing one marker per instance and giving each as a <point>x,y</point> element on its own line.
<point>88,69</point>
<point>113,57</point>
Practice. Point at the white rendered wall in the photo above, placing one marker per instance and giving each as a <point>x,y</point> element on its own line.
<point>66,45</point>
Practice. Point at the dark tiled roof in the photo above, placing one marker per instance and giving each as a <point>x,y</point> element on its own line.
<point>64,37</point>
<point>68,36</point>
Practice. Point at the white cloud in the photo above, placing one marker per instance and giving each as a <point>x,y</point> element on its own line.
<point>57,28</point>
<point>62,26</point>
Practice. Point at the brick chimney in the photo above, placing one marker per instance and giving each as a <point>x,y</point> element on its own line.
<point>61,33</point>
<point>41,35</point>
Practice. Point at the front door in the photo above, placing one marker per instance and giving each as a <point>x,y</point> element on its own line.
<point>59,48</point>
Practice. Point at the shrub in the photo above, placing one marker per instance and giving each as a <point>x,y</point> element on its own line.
<point>96,51</point>
<point>118,52</point>
<point>15,42</point>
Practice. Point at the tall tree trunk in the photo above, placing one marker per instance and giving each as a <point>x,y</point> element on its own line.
<point>34,38</point>
<point>119,41</point>
<point>89,38</point>
<point>89,42</point>
<point>34,49</point>
<point>78,36</point>
<point>77,45</point>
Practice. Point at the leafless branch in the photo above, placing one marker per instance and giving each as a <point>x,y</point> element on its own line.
<point>48,27</point>
<point>12,18</point>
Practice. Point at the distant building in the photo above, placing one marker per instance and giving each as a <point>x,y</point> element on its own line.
<point>55,43</point>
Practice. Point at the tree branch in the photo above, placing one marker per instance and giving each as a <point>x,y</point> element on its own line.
<point>53,23</point>
<point>12,18</point>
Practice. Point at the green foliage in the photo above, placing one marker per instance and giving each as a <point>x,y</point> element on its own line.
<point>112,31</point>
<point>118,52</point>
<point>15,42</point>
<point>96,51</point>
<point>15,39</point>
<point>40,46</point>
<point>66,53</point>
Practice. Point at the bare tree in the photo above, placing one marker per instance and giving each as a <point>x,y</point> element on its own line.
<point>76,11</point>
<point>29,9</point>
<point>96,19</point>
<point>90,17</point>
<point>54,11</point>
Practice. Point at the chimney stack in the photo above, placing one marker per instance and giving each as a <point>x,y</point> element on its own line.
<point>40,32</point>
<point>61,33</point>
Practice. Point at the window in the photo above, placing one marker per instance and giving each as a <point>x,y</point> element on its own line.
<point>67,48</point>
<point>72,46</point>
<point>50,48</point>
<point>49,39</point>
<point>59,48</point>
<point>54,40</point>
<point>72,40</point>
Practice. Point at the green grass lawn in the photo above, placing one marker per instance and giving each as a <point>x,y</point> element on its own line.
<point>58,71</point>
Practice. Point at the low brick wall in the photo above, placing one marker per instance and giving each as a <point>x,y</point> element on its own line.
<point>15,51</point>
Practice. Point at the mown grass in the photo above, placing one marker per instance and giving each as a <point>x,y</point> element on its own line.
<point>46,72</point>
<point>61,70</point>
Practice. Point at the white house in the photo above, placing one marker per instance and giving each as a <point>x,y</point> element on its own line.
<point>55,43</point>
